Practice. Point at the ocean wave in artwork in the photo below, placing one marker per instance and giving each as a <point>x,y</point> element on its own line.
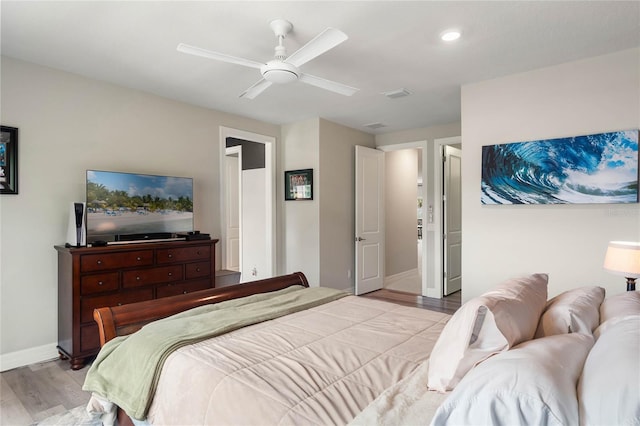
<point>600,168</point>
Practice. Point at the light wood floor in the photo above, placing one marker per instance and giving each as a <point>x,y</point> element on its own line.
<point>33,393</point>
<point>447,305</point>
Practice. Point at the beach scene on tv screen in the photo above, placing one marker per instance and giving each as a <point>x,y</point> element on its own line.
<point>125,203</point>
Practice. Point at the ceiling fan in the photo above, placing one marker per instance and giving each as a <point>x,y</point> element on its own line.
<point>282,68</point>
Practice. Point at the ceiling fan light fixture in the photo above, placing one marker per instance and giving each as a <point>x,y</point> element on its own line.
<point>279,72</point>
<point>280,76</point>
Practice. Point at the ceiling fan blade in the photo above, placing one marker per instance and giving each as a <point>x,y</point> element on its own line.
<point>256,89</point>
<point>326,40</point>
<point>340,88</point>
<point>192,50</point>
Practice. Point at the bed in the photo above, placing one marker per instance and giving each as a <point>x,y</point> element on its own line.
<point>322,363</point>
<point>317,356</point>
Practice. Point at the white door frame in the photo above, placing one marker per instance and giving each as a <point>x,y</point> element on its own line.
<point>426,291</point>
<point>438,218</point>
<point>270,161</point>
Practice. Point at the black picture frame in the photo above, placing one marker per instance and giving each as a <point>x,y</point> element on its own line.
<point>298,185</point>
<point>8,160</point>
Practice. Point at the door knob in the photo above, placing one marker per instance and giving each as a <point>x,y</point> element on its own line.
<point>360,239</point>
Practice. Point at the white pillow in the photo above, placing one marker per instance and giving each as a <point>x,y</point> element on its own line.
<point>531,384</point>
<point>574,311</point>
<point>609,388</point>
<point>623,304</point>
<point>485,325</point>
<point>617,308</point>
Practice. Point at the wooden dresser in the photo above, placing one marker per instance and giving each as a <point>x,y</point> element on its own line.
<point>94,277</point>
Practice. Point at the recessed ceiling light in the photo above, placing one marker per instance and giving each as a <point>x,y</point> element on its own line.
<point>450,35</point>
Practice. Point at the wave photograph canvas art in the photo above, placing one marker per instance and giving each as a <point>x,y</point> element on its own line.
<point>598,168</point>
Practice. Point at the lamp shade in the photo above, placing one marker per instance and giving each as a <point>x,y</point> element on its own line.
<point>623,258</point>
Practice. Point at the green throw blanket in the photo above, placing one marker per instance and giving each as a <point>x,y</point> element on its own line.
<point>127,368</point>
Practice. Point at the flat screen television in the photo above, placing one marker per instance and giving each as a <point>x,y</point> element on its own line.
<point>127,207</point>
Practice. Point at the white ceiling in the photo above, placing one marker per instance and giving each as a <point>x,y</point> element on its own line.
<point>391,45</point>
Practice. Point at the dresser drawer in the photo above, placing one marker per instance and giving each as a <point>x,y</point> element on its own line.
<point>181,254</point>
<point>98,283</point>
<point>139,277</point>
<point>88,304</point>
<point>105,261</point>
<point>197,270</point>
<point>182,288</point>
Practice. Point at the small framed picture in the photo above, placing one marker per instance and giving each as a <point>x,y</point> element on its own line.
<point>298,184</point>
<point>8,160</point>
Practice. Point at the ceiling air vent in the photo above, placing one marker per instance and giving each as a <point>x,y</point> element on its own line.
<point>374,125</point>
<point>398,93</point>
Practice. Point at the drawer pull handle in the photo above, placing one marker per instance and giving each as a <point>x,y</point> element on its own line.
<point>139,258</point>
<point>184,292</point>
<point>170,256</point>
<point>100,283</point>
<point>99,262</point>
<point>170,274</point>
<point>137,278</point>
<point>197,269</point>
<point>119,303</point>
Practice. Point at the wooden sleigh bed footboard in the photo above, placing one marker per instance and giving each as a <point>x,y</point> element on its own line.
<point>126,319</point>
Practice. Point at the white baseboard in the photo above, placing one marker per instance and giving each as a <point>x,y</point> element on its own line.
<point>24,357</point>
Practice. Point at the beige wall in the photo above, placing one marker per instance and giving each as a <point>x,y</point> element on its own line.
<point>401,195</point>
<point>301,219</point>
<point>319,234</point>
<point>337,207</point>
<point>567,241</point>
<point>68,124</point>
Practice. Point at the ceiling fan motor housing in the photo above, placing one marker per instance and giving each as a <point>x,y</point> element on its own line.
<point>279,72</point>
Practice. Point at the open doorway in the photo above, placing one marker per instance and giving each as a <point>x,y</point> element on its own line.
<point>405,213</point>
<point>429,219</point>
<point>403,192</point>
<point>247,204</point>
<point>233,207</point>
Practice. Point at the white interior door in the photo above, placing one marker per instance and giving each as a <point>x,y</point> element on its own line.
<point>452,205</point>
<point>369,220</point>
<point>253,262</point>
<point>233,207</point>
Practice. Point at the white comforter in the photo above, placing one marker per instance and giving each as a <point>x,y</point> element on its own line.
<point>320,366</point>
